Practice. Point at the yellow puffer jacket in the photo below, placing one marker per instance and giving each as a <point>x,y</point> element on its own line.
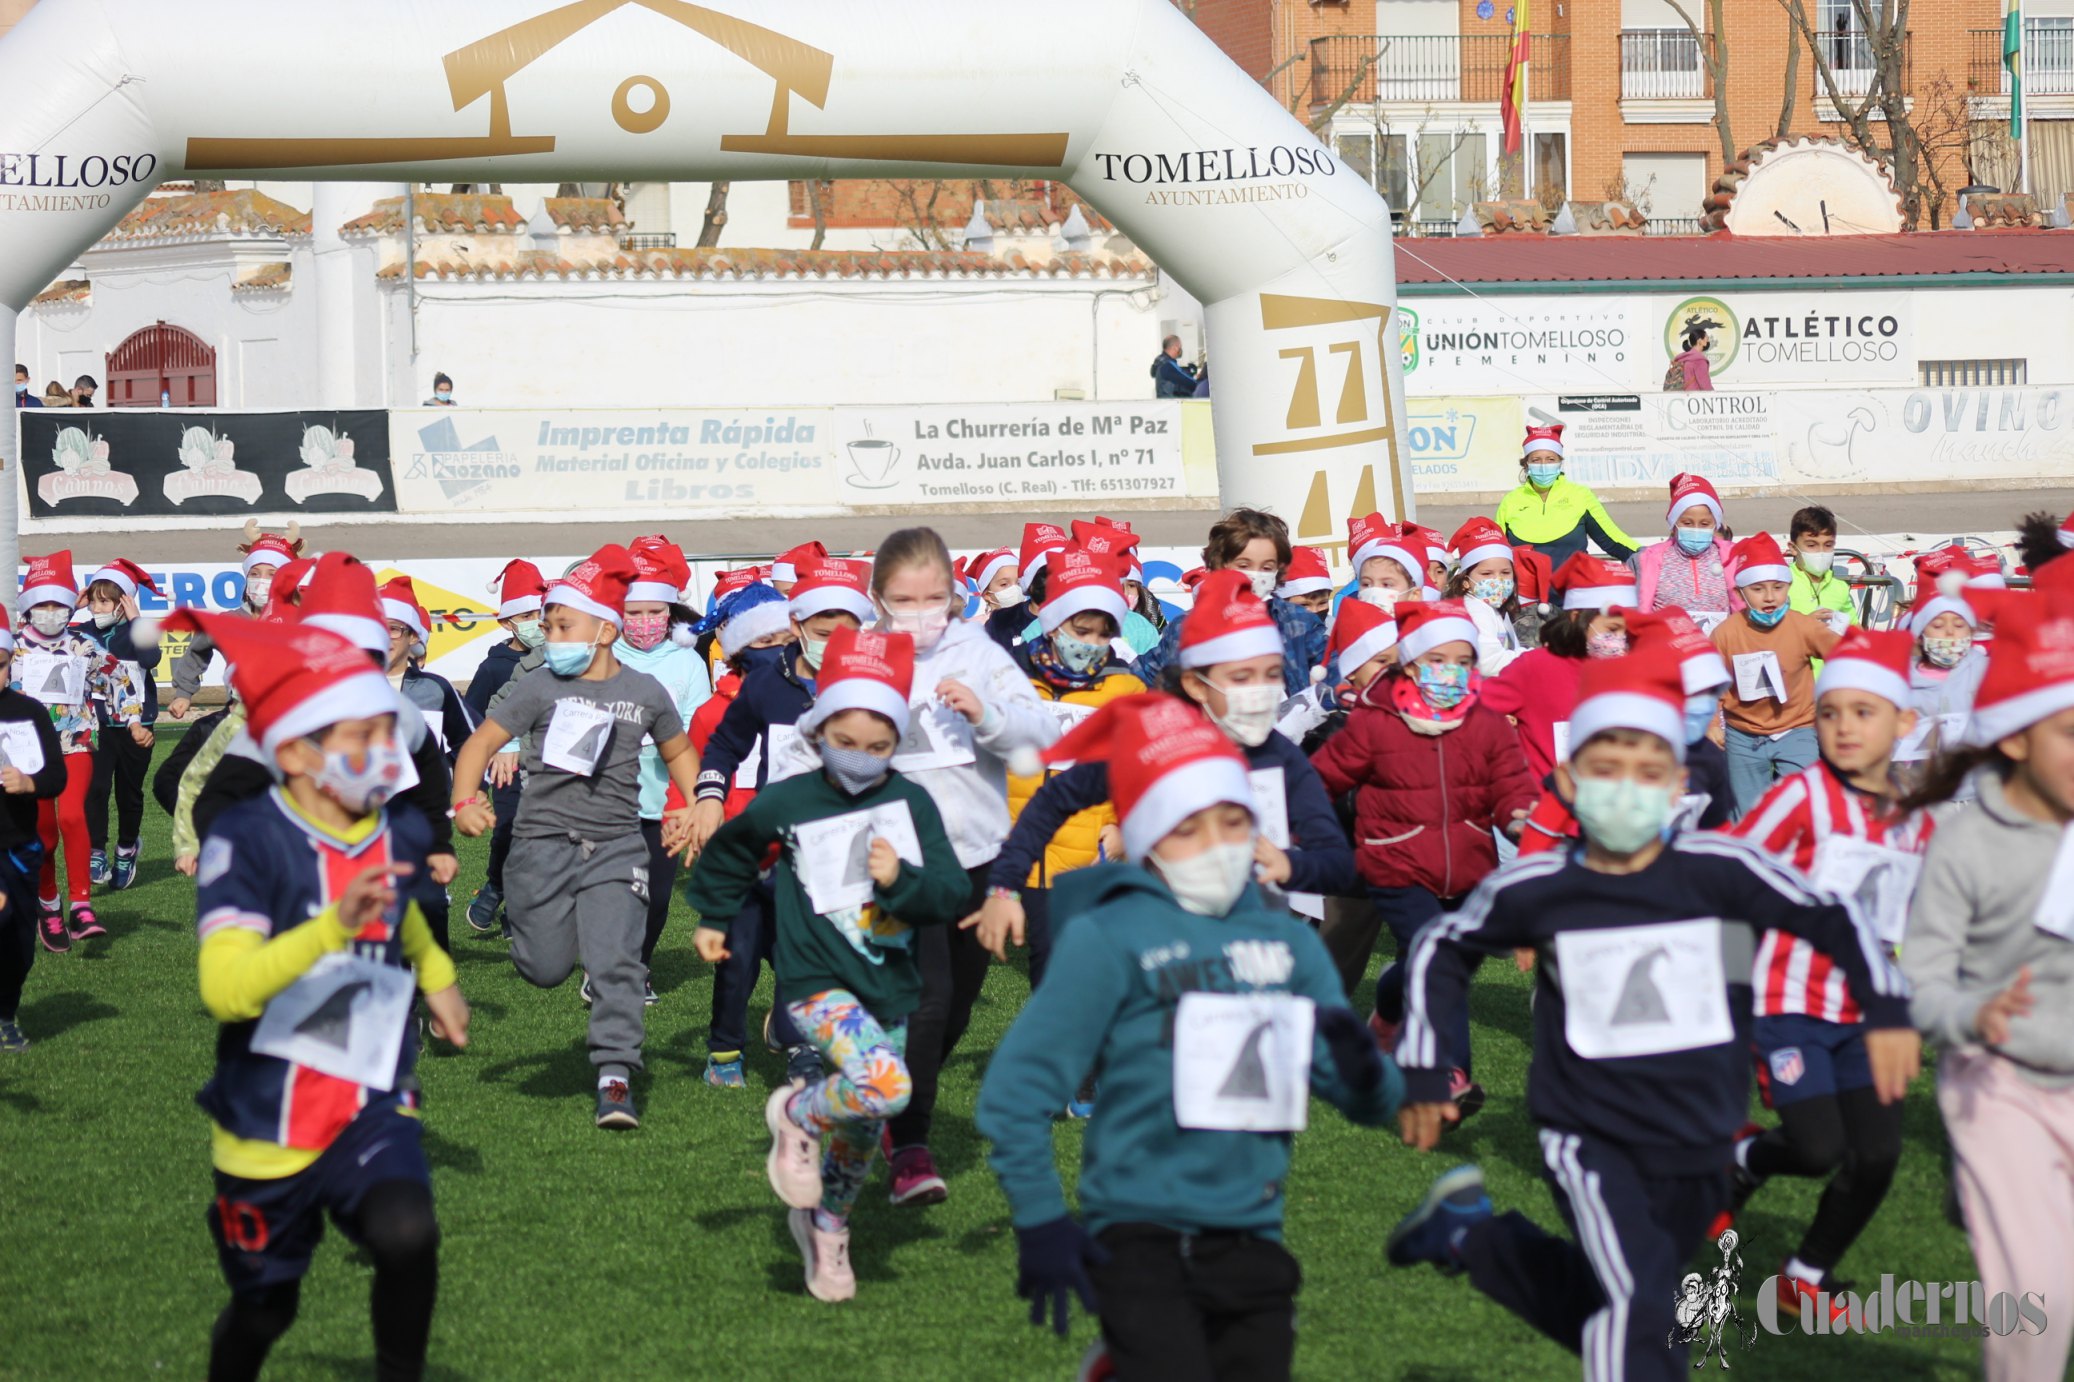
<point>1076,844</point>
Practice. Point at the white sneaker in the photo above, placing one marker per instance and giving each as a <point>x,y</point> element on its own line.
<point>795,1160</point>
<point>827,1257</point>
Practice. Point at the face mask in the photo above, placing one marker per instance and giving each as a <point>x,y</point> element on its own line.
<point>810,650</point>
<point>1381,596</point>
<point>569,659</point>
<point>1542,476</point>
<point>1492,590</point>
<point>749,659</point>
<point>21,388</point>
<point>257,589</point>
<point>1946,652</point>
<point>925,626</point>
<point>49,622</point>
<point>443,395</point>
<point>108,620</point>
<point>854,770</point>
<point>530,633</point>
<point>1605,645</point>
<point>1210,883</point>
<point>1080,658</point>
<point>1249,712</point>
<point>1264,582</point>
<point>1622,815</point>
<point>1767,619</point>
<point>1008,597</point>
<point>1444,687</point>
<point>1699,716</point>
<point>365,788</point>
<point>1693,541</point>
<point>646,631</point>
<point>1817,563</point>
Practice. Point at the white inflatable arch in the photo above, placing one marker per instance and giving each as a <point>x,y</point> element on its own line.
<point>1124,100</point>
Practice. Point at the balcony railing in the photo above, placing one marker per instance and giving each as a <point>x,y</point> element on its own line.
<point>2048,60</point>
<point>657,240</point>
<point>1850,58</point>
<point>1432,67</point>
<point>1662,65</point>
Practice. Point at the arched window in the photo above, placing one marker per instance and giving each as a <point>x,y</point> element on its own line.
<point>162,364</point>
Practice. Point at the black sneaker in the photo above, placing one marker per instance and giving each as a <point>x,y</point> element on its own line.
<point>483,909</point>
<point>51,930</point>
<point>11,1038</point>
<point>803,1066</point>
<point>648,998</point>
<point>616,1106</point>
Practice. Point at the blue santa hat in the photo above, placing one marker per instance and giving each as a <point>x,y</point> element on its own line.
<point>753,612</point>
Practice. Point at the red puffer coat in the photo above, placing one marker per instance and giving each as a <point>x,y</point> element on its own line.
<point>1425,802</point>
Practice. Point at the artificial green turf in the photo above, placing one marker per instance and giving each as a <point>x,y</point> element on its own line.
<point>574,1253</point>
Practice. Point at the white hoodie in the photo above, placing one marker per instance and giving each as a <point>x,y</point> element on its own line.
<point>969,782</point>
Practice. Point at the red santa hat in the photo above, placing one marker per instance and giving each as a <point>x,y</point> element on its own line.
<point>1039,540</point>
<point>1306,573</point>
<point>341,597</point>
<point>987,565</point>
<point>1544,438</point>
<point>293,679</point>
<point>833,584</point>
<point>1940,577</point>
<point>1758,558</point>
<point>1423,625</point>
<point>49,582</point>
<point>1106,539</point>
<point>598,585</point>
<point>1360,632</point>
<point>1166,762</point>
<point>1478,541</point>
<point>1875,661</point>
<point>6,632</point>
<point>270,549</point>
<point>1372,536</point>
<point>1984,572</point>
<point>1193,578</point>
<point>1643,691</point>
<point>2030,675</point>
<point>741,578</point>
<point>2067,531</point>
<point>1672,629</point>
<point>1533,577</point>
<point>126,576</point>
<point>519,588</point>
<point>400,606</point>
<point>1122,524</point>
<point>1228,623</point>
<point>863,669</point>
<point>1082,582</point>
<point>1688,490</point>
<point>661,573</point>
<point>1589,582</point>
<point>788,565</point>
<point>284,598</point>
<point>1420,537</point>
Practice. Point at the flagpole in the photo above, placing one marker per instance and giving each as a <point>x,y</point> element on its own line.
<point>2022,117</point>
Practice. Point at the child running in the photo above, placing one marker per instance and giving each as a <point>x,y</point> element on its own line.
<point>123,755</point>
<point>519,592</point>
<point>1641,1072</point>
<point>33,771</point>
<point>864,862</point>
<point>1213,1019</point>
<point>308,947</point>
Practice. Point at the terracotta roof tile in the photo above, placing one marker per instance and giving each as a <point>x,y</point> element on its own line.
<point>264,278</point>
<point>245,212</point>
<point>65,290</point>
<point>773,263</point>
<point>596,215</point>
<point>442,212</point>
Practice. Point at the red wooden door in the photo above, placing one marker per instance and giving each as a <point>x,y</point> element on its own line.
<point>162,364</point>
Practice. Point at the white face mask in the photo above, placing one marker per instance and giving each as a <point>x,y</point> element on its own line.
<point>926,626</point>
<point>49,622</point>
<point>1381,596</point>
<point>107,619</point>
<point>1008,597</point>
<point>257,588</point>
<point>1264,582</point>
<point>1249,712</point>
<point>1817,563</point>
<point>1210,883</point>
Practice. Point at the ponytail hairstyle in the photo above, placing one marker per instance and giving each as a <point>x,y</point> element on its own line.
<point>912,547</point>
<point>1948,773</point>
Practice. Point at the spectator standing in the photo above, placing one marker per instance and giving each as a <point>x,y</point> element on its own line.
<point>83,391</point>
<point>1171,378</point>
<point>22,397</point>
<point>442,392</point>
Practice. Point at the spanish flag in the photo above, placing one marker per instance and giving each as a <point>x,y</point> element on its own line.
<point>2013,59</point>
<point>1512,104</point>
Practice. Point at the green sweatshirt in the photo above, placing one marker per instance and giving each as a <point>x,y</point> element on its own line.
<point>1125,954</point>
<point>869,953</point>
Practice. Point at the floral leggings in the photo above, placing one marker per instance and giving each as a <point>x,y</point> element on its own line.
<point>846,1110</point>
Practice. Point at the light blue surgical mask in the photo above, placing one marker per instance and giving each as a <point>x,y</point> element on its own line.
<point>1764,620</point>
<point>1492,590</point>
<point>1694,541</point>
<point>1542,476</point>
<point>1699,715</point>
<point>1442,687</point>
<point>569,659</point>
<point>1079,658</point>
<point>1622,815</point>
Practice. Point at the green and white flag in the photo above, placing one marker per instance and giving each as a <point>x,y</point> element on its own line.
<point>2013,59</point>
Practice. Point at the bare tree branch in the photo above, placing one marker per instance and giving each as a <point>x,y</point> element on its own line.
<point>716,216</point>
<point>1713,50</point>
<point>1792,92</point>
<point>817,206</point>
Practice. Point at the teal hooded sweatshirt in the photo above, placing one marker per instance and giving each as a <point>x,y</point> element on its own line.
<point>1125,952</point>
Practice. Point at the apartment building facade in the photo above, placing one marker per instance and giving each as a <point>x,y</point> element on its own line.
<point>1622,102</point>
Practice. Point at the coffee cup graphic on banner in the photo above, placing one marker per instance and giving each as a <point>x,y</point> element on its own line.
<point>872,462</point>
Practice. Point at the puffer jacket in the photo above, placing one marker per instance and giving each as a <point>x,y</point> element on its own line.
<point>1648,564</point>
<point>1425,802</point>
<point>1075,844</point>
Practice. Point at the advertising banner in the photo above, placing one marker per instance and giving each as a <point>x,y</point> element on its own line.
<point>110,463</point>
<point>1465,445</point>
<point>1525,345</point>
<point>1926,436</point>
<point>1801,340</point>
<point>1639,441</point>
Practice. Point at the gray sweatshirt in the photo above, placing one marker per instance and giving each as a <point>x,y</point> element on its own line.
<point>1970,930</point>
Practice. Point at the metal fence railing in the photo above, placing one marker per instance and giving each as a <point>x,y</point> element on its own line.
<point>1432,67</point>
<point>2048,59</point>
<point>1662,64</point>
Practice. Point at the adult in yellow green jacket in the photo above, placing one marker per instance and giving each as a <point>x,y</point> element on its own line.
<point>1554,514</point>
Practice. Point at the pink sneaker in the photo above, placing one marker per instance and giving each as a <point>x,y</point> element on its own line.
<point>1385,1031</point>
<point>795,1160</point>
<point>915,1180</point>
<point>85,925</point>
<point>827,1255</point>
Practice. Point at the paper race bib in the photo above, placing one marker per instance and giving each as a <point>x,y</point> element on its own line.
<point>20,749</point>
<point>1708,619</point>
<point>1562,741</point>
<point>1691,807</point>
<point>1242,1061</point>
<point>1644,990</point>
<point>1879,878</point>
<point>2056,907</point>
<point>1759,676</point>
<point>788,754</point>
<point>832,856</point>
<point>346,1018</point>
<point>1932,733</point>
<point>53,678</point>
<point>934,739</point>
<point>745,771</point>
<point>1271,805</point>
<point>577,734</point>
<point>435,725</point>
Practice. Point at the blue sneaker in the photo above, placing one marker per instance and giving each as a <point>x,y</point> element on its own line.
<point>123,867</point>
<point>1082,1104</point>
<point>1433,1231</point>
<point>483,909</point>
<point>11,1038</point>
<point>97,868</point>
<point>726,1074</point>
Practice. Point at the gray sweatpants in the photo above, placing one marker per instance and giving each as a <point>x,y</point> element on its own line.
<point>571,899</point>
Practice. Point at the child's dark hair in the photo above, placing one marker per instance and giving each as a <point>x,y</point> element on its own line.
<point>1948,773</point>
<point>905,548</point>
<point>1230,534</point>
<point>1038,584</point>
<point>104,590</point>
<point>2038,541</point>
<point>1567,632</point>
<point>1812,521</point>
<point>1458,587</point>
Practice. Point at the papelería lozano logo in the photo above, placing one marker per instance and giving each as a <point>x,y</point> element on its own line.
<point>1905,1309</point>
<point>1706,1311</point>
